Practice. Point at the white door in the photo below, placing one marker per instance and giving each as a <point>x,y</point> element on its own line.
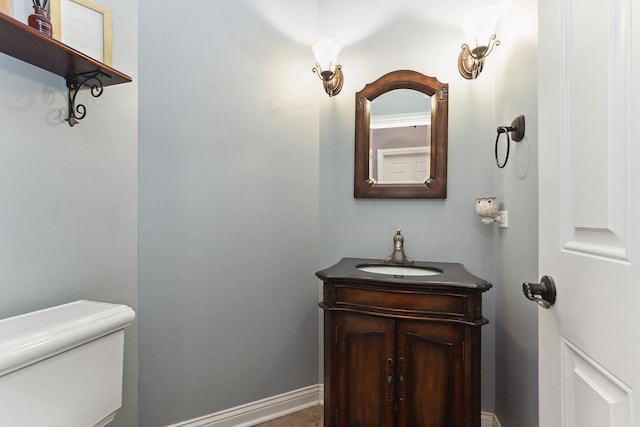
<point>589,229</point>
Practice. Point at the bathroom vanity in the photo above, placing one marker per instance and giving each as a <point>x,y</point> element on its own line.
<point>401,344</point>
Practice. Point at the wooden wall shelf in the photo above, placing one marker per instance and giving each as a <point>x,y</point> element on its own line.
<point>26,44</point>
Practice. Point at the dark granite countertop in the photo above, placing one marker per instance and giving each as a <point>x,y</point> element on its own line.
<point>452,274</point>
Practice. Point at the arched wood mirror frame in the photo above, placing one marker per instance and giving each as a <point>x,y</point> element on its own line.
<point>435,186</point>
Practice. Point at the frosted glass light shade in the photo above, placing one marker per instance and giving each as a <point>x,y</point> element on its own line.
<point>326,51</point>
<point>480,24</point>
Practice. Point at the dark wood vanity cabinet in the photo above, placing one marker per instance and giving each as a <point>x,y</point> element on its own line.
<point>402,351</point>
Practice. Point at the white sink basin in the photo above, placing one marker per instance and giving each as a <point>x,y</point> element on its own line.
<point>395,270</point>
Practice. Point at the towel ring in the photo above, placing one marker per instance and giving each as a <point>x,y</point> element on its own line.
<point>517,134</point>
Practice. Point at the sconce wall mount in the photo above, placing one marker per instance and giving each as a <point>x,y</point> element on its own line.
<point>331,80</point>
<point>471,61</point>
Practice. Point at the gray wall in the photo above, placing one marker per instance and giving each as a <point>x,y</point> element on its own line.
<point>228,205</point>
<point>517,247</point>
<point>437,230</point>
<point>68,222</point>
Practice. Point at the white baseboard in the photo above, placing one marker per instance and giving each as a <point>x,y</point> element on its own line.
<point>262,410</point>
<point>489,420</point>
<point>274,407</point>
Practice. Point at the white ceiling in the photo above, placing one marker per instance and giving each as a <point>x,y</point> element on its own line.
<point>353,20</point>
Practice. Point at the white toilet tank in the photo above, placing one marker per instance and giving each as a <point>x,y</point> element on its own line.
<point>62,366</point>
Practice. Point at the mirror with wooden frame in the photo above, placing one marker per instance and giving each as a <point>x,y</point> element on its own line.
<point>401,137</point>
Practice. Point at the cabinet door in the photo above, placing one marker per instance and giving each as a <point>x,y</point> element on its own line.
<point>430,389</point>
<point>365,371</point>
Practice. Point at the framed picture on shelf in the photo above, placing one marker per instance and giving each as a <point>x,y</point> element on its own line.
<point>83,25</point>
<point>5,7</point>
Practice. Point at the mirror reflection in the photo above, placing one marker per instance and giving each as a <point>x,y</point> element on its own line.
<point>400,137</point>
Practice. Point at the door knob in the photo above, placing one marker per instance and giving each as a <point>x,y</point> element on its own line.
<point>544,293</point>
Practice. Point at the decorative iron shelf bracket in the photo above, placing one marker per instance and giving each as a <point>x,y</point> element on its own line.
<point>74,84</point>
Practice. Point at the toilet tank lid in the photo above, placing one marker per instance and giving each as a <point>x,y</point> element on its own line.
<point>31,337</point>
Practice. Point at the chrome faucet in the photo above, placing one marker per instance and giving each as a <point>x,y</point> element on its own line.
<point>398,256</point>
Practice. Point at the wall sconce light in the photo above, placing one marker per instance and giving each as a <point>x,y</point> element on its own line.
<point>479,25</point>
<point>326,51</point>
